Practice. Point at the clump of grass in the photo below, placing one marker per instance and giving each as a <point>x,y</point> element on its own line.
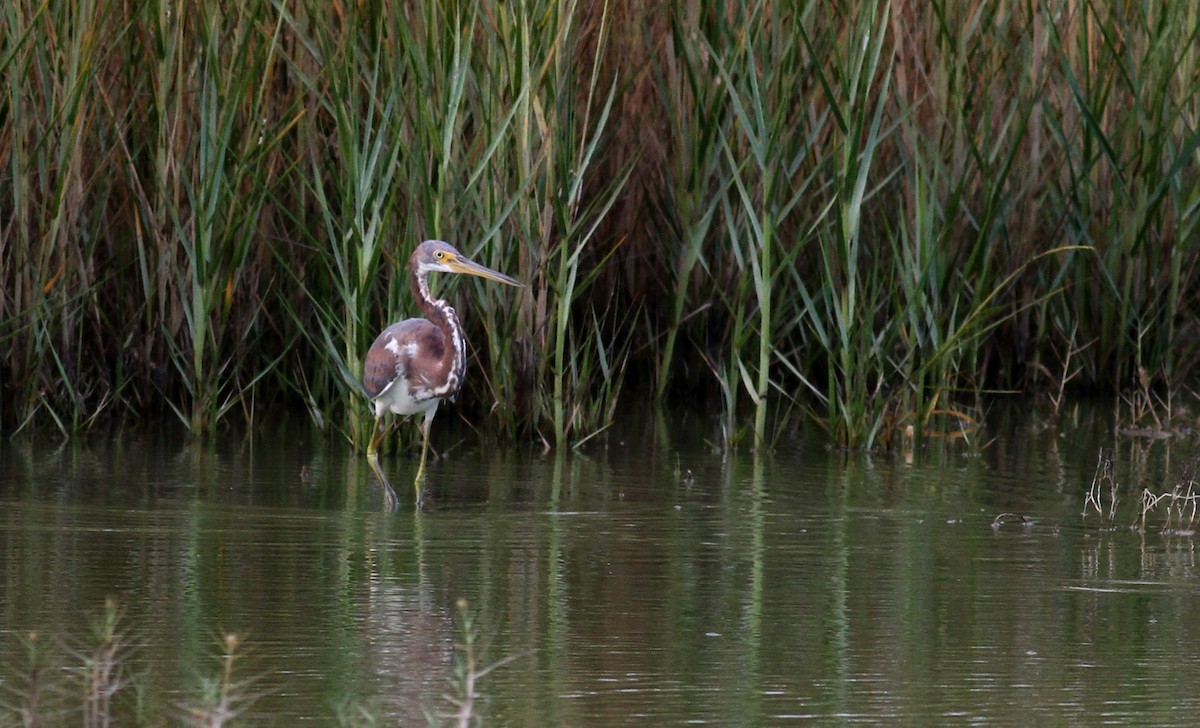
<point>467,671</point>
<point>221,199</point>
<point>1179,513</point>
<point>850,299</point>
<point>1144,406</point>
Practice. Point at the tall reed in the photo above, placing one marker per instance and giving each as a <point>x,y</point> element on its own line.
<point>226,173</point>
<point>697,113</point>
<point>350,162</point>
<point>50,234</point>
<point>865,212</point>
<point>1126,124</point>
<point>538,74</point>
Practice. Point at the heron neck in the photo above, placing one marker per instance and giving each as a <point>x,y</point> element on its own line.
<point>440,313</point>
<point>437,310</point>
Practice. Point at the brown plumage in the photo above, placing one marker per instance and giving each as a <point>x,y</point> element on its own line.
<point>416,363</point>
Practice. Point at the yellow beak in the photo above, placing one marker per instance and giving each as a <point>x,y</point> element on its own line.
<point>461,264</point>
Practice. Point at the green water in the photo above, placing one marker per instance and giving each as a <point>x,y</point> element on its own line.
<point>650,581</point>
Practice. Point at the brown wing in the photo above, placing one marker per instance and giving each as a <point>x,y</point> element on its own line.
<point>413,349</point>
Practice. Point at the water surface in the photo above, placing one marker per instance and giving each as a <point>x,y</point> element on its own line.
<point>648,580</point>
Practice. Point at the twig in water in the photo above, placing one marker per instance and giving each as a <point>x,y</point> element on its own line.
<point>1182,507</point>
<point>1105,473</point>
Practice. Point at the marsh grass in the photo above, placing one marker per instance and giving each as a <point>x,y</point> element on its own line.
<point>860,213</point>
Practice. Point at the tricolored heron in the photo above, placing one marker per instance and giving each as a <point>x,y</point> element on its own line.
<point>416,363</point>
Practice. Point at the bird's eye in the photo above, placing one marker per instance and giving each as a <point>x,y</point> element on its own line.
<point>439,254</point>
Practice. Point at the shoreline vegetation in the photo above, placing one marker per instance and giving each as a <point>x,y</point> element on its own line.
<point>867,214</point>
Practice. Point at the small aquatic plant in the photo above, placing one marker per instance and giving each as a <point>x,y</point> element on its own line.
<point>223,698</point>
<point>468,671</point>
<point>28,697</point>
<point>95,682</point>
<point>103,664</point>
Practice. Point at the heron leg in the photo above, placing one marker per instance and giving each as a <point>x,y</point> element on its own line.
<point>389,496</point>
<point>420,479</point>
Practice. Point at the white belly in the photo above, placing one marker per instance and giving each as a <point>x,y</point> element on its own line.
<point>399,399</point>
